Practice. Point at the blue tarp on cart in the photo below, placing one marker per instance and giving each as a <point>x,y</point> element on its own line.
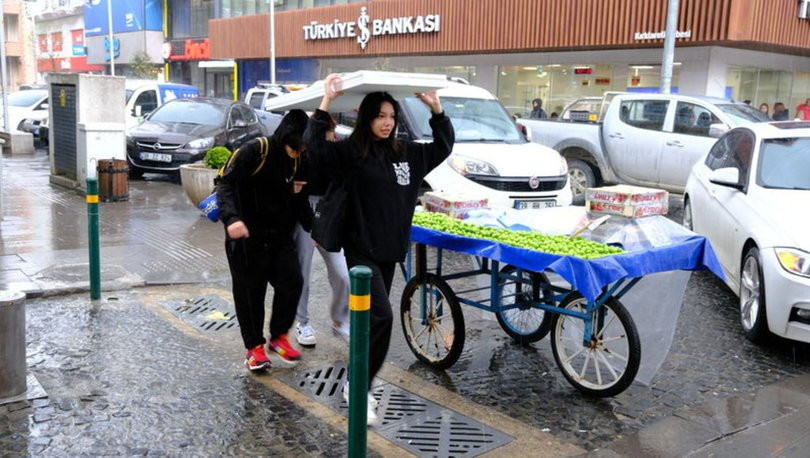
<point>589,277</point>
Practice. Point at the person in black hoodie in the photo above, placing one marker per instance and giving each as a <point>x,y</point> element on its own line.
<point>537,110</point>
<point>260,209</point>
<point>386,175</point>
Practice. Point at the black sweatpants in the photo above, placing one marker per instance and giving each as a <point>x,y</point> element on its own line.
<point>253,264</point>
<point>382,318</point>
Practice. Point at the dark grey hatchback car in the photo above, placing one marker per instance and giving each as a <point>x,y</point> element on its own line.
<point>182,130</point>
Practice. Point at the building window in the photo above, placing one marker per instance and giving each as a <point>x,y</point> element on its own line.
<point>56,41</point>
<point>556,85</point>
<point>190,18</point>
<point>42,39</point>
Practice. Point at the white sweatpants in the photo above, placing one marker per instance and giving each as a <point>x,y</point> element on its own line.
<point>336,270</point>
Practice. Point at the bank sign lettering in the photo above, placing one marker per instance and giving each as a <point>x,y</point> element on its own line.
<point>364,27</point>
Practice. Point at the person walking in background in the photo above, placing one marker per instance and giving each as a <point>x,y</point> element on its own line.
<point>337,272</point>
<point>537,110</point>
<point>259,208</point>
<point>780,113</point>
<point>385,175</point>
<point>764,108</point>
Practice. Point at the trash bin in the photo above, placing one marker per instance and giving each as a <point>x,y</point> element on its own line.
<point>12,344</point>
<point>113,184</point>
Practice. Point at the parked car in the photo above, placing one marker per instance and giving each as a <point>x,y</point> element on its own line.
<point>182,130</point>
<point>144,96</point>
<point>258,96</point>
<point>28,104</point>
<point>750,196</point>
<point>641,139</point>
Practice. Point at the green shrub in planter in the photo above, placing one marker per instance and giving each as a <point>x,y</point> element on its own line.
<point>216,157</point>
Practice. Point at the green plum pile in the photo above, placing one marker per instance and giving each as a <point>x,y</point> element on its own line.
<point>552,244</point>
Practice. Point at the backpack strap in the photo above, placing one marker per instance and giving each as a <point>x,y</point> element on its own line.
<point>264,151</point>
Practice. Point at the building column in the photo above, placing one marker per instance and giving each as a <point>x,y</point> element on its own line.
<point>486,76</point>
<point>704,77</point>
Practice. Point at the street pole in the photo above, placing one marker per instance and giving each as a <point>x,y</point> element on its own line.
<point>3,72</point>
<point>359,307</point>
<point>92,235</point>
<point>112,45</point>
<point>272,42</point>
<point>669,47</point>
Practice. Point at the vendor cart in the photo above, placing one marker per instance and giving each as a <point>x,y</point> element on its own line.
<point>594,339</point>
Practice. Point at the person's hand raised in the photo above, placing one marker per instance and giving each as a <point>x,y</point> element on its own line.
<point>330,85</point>
<point>431,99</point>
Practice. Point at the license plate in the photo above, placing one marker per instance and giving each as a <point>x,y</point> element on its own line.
<point>529,204</point>
<point>156,157</point>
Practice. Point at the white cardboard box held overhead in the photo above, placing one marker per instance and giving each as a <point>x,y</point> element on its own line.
<point>357,85</point>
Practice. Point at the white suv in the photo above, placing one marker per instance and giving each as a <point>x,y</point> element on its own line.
<point>491,157</point>
<point>258,96</point>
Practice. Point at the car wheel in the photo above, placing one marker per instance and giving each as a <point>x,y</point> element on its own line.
<point>687,215</point>
<point>581,176</point>
<point>753,315</point>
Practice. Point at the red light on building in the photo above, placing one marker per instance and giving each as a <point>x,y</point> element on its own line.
<point>583,70</point>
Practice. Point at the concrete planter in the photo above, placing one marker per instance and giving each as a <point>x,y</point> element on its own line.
<point>198,181</point>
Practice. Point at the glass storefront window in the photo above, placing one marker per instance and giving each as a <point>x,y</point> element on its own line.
<point>647,78</point>
<point>765,87</point>
<point>556,85</point>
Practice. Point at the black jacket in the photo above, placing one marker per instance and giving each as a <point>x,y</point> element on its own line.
<point>384,190</point>
<point>256,188</point>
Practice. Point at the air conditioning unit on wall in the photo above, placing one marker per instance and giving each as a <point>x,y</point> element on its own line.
<point>804,9</point>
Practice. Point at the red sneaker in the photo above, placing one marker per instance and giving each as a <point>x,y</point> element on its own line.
<point>282,346</point>
<point>256,359</point>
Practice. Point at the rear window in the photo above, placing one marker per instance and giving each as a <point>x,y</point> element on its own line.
<point>255,100</point>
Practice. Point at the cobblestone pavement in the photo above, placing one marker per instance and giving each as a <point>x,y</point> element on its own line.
<point>123,381</point>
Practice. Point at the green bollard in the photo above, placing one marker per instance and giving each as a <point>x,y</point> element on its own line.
<point>92,235</point>
<point>359,307</point>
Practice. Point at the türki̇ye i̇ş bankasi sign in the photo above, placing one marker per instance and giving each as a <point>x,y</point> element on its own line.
<point>364,27</point>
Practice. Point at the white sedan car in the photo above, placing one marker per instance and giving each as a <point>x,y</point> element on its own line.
<point>750,197</point>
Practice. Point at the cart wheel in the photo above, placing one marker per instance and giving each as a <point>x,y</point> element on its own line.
<point>516,315</point>
<point>608,364</point>
<point>434,329</point>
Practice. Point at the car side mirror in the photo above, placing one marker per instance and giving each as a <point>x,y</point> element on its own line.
<point>727,176</point>
<point>717,130</point>
<point>44,106</point>
<point>137,111</point>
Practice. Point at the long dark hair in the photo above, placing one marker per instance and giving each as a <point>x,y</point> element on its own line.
<point>290,132</point>
<point>363,138</point>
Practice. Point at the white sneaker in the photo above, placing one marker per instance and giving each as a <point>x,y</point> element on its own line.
<point>343,331</point>
<point>305,335</point>
<point>371,414</point>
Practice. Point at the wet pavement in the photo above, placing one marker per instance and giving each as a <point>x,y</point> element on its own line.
<point>125,376</point>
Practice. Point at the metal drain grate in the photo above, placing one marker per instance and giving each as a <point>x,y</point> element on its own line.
<point>414,423</point>
<point>208,313</point>
<point>448,434</point>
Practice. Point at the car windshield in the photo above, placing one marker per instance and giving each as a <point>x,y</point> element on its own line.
<point>784,163</point>
<point>474,120</point>
<point>25,98</point>
<point>190,111</point>
<point>743,114</point>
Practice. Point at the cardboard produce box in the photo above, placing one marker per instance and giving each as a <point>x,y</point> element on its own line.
<point>628,201</point>
<point>455,205</point>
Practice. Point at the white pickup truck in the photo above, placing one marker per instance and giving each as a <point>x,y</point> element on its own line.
<point>642,139</point>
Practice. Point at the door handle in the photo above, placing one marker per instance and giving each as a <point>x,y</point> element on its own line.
<point>675,143</point>
<point>617,135</point>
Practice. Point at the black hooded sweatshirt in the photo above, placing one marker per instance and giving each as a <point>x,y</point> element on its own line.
<point>385,185</point>
<point>256,189</point>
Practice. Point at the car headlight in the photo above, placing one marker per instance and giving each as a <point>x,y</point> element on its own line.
<point>467,166</point>
<point>201,143</point>
<point>563,166</point>
<point>794,261</point>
